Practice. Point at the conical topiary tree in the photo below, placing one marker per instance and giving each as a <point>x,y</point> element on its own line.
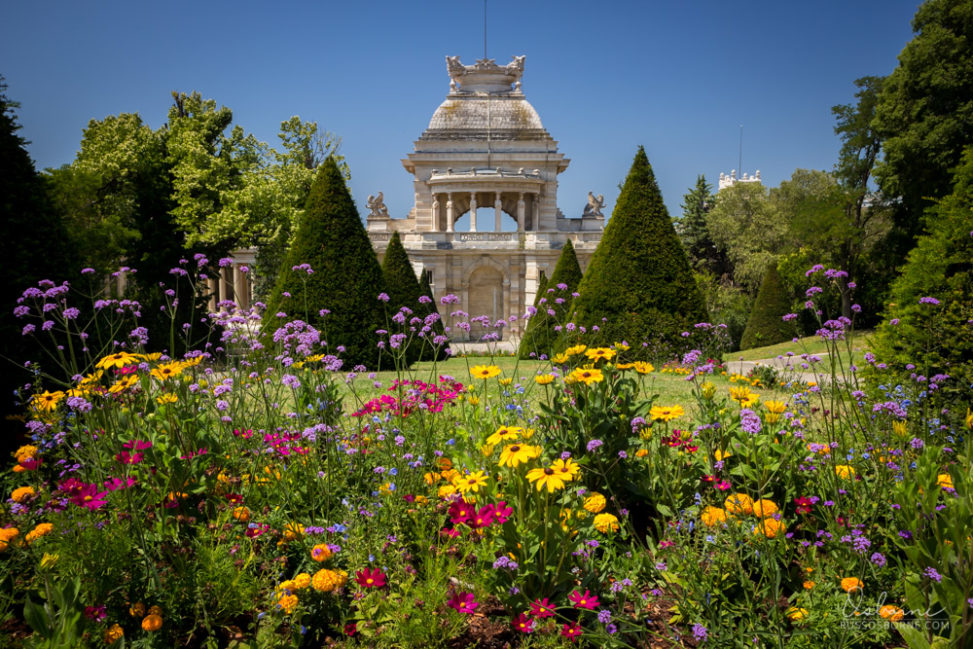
<point>404,290</point>
<point>400,278</point>
<point>766,326</point>
<point>434,351</point>
<point>540,336</point>
<point>345,277</point>
<point>639,280</point>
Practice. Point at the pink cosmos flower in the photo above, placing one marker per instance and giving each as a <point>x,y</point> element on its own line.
<point>462,602</point>
<point>587,600</point>
<point>523,623</point>
<point>571,631</point>
<point>370,578</point>
<point>541,608</point>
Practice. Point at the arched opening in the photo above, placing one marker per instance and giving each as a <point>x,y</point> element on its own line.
<point>486,221</point>
<point>485,299</point>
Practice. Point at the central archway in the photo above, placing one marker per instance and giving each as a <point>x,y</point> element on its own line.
<point>485,299</point>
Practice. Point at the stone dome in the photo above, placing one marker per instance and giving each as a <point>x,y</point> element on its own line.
<point>485,102</point>
<point>503,117</point>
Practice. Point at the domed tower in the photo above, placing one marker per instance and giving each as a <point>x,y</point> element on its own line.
<point>487,155</point>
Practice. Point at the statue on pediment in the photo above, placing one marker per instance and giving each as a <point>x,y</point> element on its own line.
<point>377,206</point>
<point>593,208</point>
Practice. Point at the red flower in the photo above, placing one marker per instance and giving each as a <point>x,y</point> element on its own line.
<point>803,505</point>
<point>709,478</point>
<point>502,512</point>
<point>462,602</point>
<point>483,518</point>
<point>351,629</point>
<point>541,608</point>
<point>523,623</point>
<point>587,600</point>
<point>461,512</point>
<point>722,485</point>
<point>137,445</point>
<point>370,578</point>
<point>571,631</point>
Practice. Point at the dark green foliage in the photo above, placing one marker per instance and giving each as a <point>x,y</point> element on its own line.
<point>694,234</point>
<point>346,278</point>
<point>937,339</point>
<point>430,351</point>
<point>639,278</point>
<point>925,114</point>
<point>541,287</point>
<point>403,289</point>
<point>400,279</point>
<point>36,247</point>
<point>765,326</point>
<point>540,336</point>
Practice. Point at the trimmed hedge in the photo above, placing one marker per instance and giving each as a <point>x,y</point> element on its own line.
<point>404,290</point>
<point>540,337</point>
<point>765,325</point>
<point>346,278</point>
<point>639,278</point>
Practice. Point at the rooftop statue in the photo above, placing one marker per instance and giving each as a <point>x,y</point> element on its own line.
<point>593,208</point>
<point>377,206</point>
<point>485,75</point>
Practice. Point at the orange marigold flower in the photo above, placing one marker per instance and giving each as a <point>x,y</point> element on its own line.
<point>113,634</point>
<point>713,516</point>
<point>891,613</point>
<point>321,552</point>
<point>765,508</point>
<point>851,584</point>
<point>738,504</point>
<point>152,622</point>
<point>770,527</point>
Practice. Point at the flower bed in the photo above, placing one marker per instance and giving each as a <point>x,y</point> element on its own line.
<point>258,502</point>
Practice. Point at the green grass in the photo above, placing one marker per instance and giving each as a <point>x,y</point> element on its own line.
<point>670,388</point>
<point>810,344</point>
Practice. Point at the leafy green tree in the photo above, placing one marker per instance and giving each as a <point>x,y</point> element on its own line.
<point>766,325</point>
<point>639,278</point>
<point>540,337</point>
<point>693,232</point>
<point>857,234</point>
<point>746,226</point>
<point>925,114</point>
<point>345,277</point>
<point>37,247</point>
<point>931,305</point>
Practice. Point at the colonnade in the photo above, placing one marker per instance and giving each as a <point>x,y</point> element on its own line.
<point>452,198</point>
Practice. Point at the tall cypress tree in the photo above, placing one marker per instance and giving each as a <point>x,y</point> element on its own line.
<point>765,326</point>
<point>639,277</point>
<point>36,248</point>
<point>346,277</point>
<point>403,288</point>
<point>540,336</point>
<point>400,278</point>
<point>430,352</point>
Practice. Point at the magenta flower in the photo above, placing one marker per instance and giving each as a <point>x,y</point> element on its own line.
<point>587,600</point>
<point>462,602</point>
<point>370,578</point>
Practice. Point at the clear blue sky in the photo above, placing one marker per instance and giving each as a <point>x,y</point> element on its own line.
<point>678,77</point>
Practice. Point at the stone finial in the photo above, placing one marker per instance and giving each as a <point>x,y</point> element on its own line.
<point>485,75</point>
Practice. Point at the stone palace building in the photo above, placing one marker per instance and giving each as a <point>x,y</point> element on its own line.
<point>486,155</point>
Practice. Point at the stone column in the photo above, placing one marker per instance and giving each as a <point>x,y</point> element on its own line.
<point>214,288</point>
<point>224,285</point>
<point>450,214</point>
<point>435,214</point>
<point>241,290</point>
<point>498,208</point>
<point>521,212</point>
<point>473,212</point>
